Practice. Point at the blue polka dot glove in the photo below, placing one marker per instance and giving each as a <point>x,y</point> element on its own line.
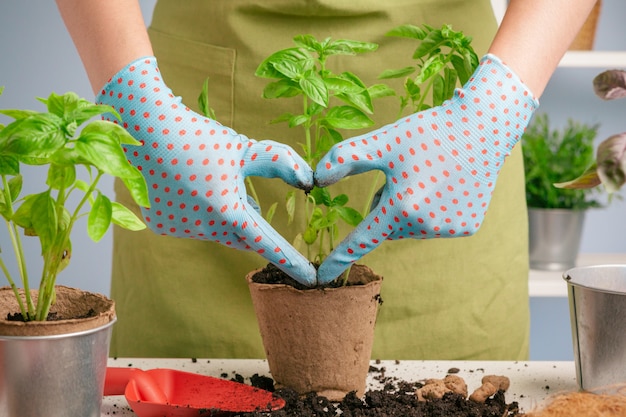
<point>195,169</point>
<point>441,165</point>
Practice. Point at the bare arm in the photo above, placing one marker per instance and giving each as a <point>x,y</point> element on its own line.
<point>535,34</point>
<point>108,34</point>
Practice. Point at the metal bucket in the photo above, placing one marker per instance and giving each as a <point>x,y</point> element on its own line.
<point>554,238</point>
<point>54,376</point>
<point>597,303</point>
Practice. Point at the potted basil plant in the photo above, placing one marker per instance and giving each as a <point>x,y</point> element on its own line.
<point>331,357</point>
<point>54,339</point>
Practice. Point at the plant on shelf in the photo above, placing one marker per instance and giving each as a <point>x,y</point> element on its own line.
<point>61,139</point>
<point>609,167</point>
<point>556,155</point>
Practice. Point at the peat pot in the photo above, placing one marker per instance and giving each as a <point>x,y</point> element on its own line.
<point>319,340</point>
<point>597,304</point>
<point>554,238</point>
<point>55,368</point>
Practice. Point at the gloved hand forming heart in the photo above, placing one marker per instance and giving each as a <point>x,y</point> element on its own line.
<point>441,165</point>
<point>195,169</point>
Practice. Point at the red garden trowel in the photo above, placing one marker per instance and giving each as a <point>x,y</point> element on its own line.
<point>171,393</point>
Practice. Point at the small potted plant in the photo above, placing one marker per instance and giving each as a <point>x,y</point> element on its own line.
<point>54,339</point>
<point>556,215</point>
<point>320,339</point>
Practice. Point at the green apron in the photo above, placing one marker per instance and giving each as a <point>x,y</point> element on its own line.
<point>464,298</point>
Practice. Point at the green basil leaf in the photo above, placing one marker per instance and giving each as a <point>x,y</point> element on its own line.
<point>22,216</point>
<point>15,186</point>
<point>321,196</point>
<point>342,85</point>
<point>297,120</point>
<point>269,215</point>
<point>323,222</point>
<point>105,153</point>
<point>397,73</point>
<point>308,42</point>
<point>61,176</point>
<point>314,88</point>
<point>33,139</point>
<point>407,31</point>
<point>361,100</point>
<point>9,165</point>
<point>349,215</point>
<point>138,190</point>
<point>99,218</point>
<point>347,117</point>
<point>18,114</point>
<point>310,235</point>
<point>381,90</point>
<point>90,110</point>
<point>281,88</point>
<point>290,205</point>
<point>438,90</point>
<point>44,220</point>
<point>267,70</point>
<point>339,200</point>
<point>203,101</point>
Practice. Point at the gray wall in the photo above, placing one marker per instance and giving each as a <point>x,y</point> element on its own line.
<point>37,57</point>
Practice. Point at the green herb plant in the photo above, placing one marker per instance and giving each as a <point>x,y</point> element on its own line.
<point>330,102</point>
<point>557,155</point>
<point>445,58</point>
<point>62,138</point>
<point>333,103</point>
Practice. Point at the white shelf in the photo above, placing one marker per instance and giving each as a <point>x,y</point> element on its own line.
<point>594,59</point>
<point>552,284</point>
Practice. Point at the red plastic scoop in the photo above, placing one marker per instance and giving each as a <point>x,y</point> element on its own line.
<point>171,393</point>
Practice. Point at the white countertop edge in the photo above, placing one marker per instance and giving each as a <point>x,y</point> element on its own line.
<point>532,382</point>
<point>552,284</point>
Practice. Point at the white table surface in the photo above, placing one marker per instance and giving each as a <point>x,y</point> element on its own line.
<point>552,284</point>
<point>531,382</point>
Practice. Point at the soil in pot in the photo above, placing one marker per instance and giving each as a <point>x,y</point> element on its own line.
<point>317,339</point>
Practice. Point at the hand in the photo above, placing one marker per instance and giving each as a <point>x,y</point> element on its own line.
<point>441,164</point>
<point>195,169</point>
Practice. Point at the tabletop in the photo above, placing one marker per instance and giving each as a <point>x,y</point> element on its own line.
<point>532,382</point>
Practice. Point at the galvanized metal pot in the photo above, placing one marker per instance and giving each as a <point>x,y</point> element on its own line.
<point>554,238</point>
<point>597,301</point>
<point>59,374</point>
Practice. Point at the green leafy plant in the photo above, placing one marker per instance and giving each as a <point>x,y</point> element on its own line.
<point>552,156</point>
<point>335,103</point>
<point>330,102</point>
<point>444,58</point>
<point>609,167</point>
<point>62,138</point>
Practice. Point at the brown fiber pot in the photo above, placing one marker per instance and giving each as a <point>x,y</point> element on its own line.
<point>318,340</point>
<point>70,302</point>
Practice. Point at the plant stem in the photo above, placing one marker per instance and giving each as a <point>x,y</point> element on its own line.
<point>52,263</point>
<point>18,250</point>
<point>252,191</point>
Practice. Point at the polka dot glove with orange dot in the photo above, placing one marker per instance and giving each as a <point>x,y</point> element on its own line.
<point>195,169</point>
<point>441,165</point>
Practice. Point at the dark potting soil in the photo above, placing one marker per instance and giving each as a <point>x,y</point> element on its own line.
<point>397,398</point>
<point>52,316</point>
<point>359,275</point>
